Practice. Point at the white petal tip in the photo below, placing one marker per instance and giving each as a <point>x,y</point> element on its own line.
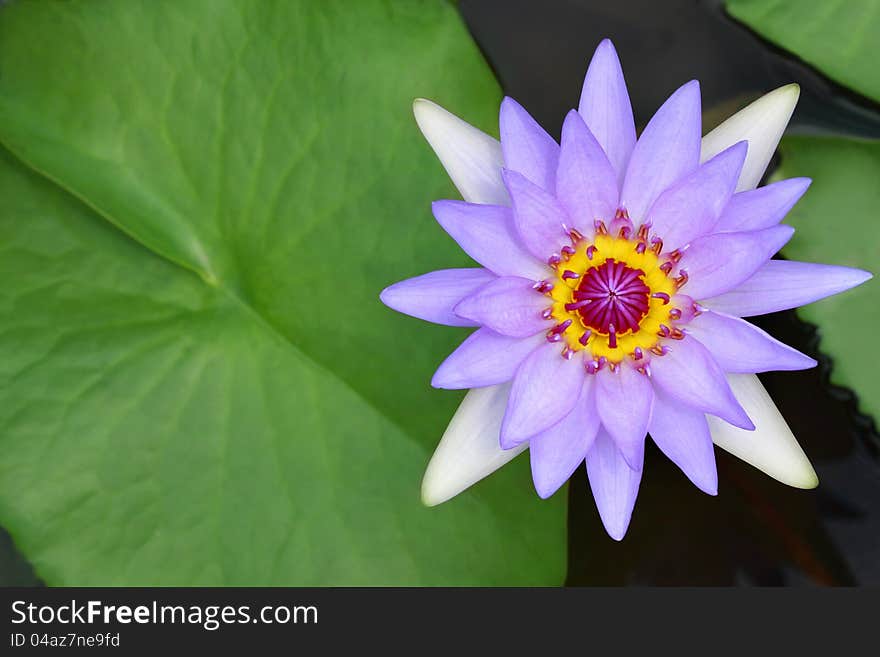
<point>469,449</point>
<point>432,495</point>
<point>806,479</point>
<point>771,448</point>
<point>429,116</point>
<point>422,109</point>
<point>793,90</point>
<point>421,105</point>
<point>761,124</point>
<point>470,156</point>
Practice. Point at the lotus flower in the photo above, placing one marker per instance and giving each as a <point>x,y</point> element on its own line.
<point>615,275</point>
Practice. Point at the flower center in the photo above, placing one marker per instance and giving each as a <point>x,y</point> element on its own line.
<point>612,297</point>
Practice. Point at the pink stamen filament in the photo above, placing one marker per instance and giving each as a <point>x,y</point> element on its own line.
<point>612,337</point>
<point>662,296</point>
<point>544,287</point>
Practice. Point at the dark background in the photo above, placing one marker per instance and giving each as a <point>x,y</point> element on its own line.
<point>757,531</point>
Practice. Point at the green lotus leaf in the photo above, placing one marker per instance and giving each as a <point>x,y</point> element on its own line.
<point>200,201</point>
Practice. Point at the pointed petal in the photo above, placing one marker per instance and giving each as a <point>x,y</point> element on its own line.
<point>432,296</point>
<point>545,389</point>
<point>692,206</point>
<point>771,447</point>
<point>487,234</point>
<point>472,158</point>
<point>527,147</point>
<point>606,109</point>
<point>508,305</point>
<point>540,221</point>
<point>469,448</point>
<point>763,207</point>
<point>623,401</point>
<point>683,435</point>
<point>615,485</point>
<point>484,359</point>
<point>718,263</point>
<point>761,124</point>
<point>738,346</point>
<point>668,149</point>
<point>556,452</point>
<point>783,284</point>
<point>688,374</point>
<point>586,184</point>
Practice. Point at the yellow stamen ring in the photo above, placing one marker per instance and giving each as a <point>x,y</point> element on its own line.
<point>600,341</point>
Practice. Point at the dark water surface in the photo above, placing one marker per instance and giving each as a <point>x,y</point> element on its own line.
<point>757,531</point>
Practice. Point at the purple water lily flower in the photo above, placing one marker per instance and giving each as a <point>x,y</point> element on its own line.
<point>615,273</point>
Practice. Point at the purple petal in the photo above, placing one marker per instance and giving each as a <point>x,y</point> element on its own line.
<point>558,451</point>
<point>509,306</point>
<point>540,221</point>
<point>717,263</point>
<point>432,296</point>
<point>763,207</point>
<point>691,207</point>
<point>737,346</point>
<point>615,485</point>
<point>545,389</point>
<point>527,147</point>
<point>606,109</point>
<point>484,359</point>
<point>623,401</point>
<point>668,149</point>
<point>586,184</point>
<point>487,234</point>
<point>689,374</point>
<point>783,284</point>
<point>682,433</point>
